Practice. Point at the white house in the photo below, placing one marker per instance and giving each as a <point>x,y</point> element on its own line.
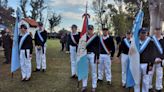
<point>31,25</point>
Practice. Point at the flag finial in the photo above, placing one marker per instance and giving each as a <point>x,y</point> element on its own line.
<point>86,11</point>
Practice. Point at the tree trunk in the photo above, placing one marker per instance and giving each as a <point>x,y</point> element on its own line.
<point>155,17</point>
<point>161,9</point>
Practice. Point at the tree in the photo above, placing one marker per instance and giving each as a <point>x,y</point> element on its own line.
<point>154,11</point>
<point>99,7</point>
<point>156,14</point>
<point>3,3</point>
<point>37,9</point>
<point>6,15</point>
<point>23,4</point>
<point>121,20</point>
<point>41,9</point>
<point>62,31</point>
<point>54,21</point>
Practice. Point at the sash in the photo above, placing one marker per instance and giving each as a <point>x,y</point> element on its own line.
<point>91,39</point>
<point>144,45</point>
<point>73,39</point>
<point>158,45</point>
<point>22,39</point>
<point>127,42</point>
<point>104,46</point>
<point>40,36</point>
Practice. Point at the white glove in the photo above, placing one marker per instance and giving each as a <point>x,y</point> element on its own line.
<point>157,60</point>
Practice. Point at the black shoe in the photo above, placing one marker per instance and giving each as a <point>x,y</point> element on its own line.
<point>84,89</point>
<point>123,86</point>
<point>44,70</point>
<point>37,70</point>
<point>28,79</point>
<point>23,80</point>
<point>151,90</point>
<point>98,81</point>
<point>5,62</point>
<point>158,90</point>
<point>93,90</point>
<point>109,83</point>
<point>74,77</point>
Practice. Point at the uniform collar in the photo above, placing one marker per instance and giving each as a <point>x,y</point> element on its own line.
<point>74,33</point>
<point>41,29</point>
<point>141,42</point>
<point>105,37</point>
<point>128,39</point>
<point>161,37</point>
<point>89,36</point>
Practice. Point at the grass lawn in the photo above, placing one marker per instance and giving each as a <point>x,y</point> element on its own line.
<point>56,78</point>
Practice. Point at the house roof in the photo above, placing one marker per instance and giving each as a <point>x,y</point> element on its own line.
<point>31,22</point>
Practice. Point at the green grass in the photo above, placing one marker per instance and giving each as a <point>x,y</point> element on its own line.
<point>56,78</point>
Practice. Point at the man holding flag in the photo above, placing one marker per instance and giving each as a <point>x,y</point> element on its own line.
<point>88,52</point>
<point>140,62</point>
<point>146,61</point>
<point>25,50</point>
<point>92,57</point>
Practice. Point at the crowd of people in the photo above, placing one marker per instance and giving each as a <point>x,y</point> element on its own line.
<point>26,45</point>
<point>100,52</point>
<point>101,49</point>
<point>26,49</point>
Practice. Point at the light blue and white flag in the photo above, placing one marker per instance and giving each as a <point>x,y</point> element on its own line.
<point>15,63</point>
<point>133,69</point>
<point>82,61</point>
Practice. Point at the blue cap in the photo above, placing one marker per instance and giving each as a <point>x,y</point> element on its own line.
<point>143,30</point>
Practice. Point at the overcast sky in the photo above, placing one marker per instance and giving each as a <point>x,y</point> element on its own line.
<point>70,10</point>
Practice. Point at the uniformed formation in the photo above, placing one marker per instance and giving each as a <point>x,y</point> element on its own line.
<point>26,49</point>
<point>101,49</point>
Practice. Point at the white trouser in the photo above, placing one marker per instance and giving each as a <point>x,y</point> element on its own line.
<point>159,76</point>
<point>73,56</point>
<point>145,79</point>
<point>40,58</point>
<point>25,63</point>
<point>105,63</point>
<point>124,60</point>
<point>93,71</point>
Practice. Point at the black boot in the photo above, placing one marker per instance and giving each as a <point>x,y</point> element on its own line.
<point>37,70</point>
<point>44,70</point>
<point>158,90</point>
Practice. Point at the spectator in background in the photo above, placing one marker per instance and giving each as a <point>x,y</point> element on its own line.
<point>67,40</point>
<point>63,41</point>
<point>118,40</point>
<point>7,44</point>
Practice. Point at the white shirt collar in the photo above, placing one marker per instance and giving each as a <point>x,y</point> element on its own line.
<point>161,37</point>
<point>105,37</point>
<point>74,33</point>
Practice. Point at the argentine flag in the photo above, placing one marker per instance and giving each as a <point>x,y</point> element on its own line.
<point>15,63</point>
<point>133,69</point>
